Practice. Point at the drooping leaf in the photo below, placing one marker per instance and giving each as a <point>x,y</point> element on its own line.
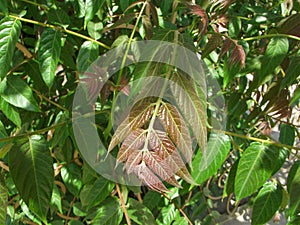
<point>275,53</point>
<point>266,203</point>
<point>292,72</point>
<point>88,53</point>
<point>3,133</point>
<point>287,134</point>
<point>296,96</point>
<point>59,17</point>
<point>10,112</point>
<point>108,213</point>
<point>94,193</point>
<point>206,163</point>
<point>9,33</point>
<point>56,199</point>
<point>3,199</point>
<point>139,213</point>
<point>255,167</point>
<point>213,43</point>
<point>31,168</point>
<point>229,183</point>
<point>192,105</point>
<point>16,92</point>
<point>91,8</point>
<point>48,54</point>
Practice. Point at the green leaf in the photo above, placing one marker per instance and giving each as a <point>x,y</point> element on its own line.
<point>56,199</point>
<point>206,163</point>
<point>275,53</point>
<point>293,187</point>
<point>71,175</point>
<point>93,194</point>
<point>109,213</point>
<point>229,184</point>
<point>91,8</point>
<point>9,33</point>
<point>16,92</point>
<point>181,221</point>
<point>31,168</point>
<point>33,71</point>
<point>95,29</point>
<point>287,134</point>
<point>88,53</point>
<point>48,54</point>
<point>139,213</point>
<point>296,97</point>
<point>292,72</point>
<point>3,7</point>
<point>167,215</point>
<point>3,199</point>
<point>59,17</point>
<point>3,134</point>
<point>255,167</point>
<point>266,203</point>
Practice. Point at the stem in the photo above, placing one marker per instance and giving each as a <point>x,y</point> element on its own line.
<point>271,36</point>
<point>58,28</point>
<point>123,204</point>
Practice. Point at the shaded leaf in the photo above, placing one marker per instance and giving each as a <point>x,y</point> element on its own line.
<point>109,212</point>
<point>10,112</point>
<point>296,96</point>
<point>213,43</point>
<point>139,213</point>
<point>95,30</point>
<point>31,168</point>
<point>94,193</point>
<point>16,92</point>
<point>48,54</point>
<point>88,53</point>
<point>59,17</point>
<point>206,163</point>
<point>266,203</point>
<point>293,187</point>
<point>3,198</point>
<point>275,53</point>
<point>255,167</point>
<point>9,33</point>
<point>290,25</point>
<point>229,183</point>
<point>292,72</point>
<point>238,56</point>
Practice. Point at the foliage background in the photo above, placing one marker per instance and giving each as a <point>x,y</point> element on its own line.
<point>250,47</point>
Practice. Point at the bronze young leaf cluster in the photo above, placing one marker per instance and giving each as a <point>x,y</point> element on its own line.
<point>156,141</point>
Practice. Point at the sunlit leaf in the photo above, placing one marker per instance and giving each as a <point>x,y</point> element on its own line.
<point>88,53</point>
<point>95,29</point>
<point>48,54</point>
<point>207,163</point>
<point>266,203</point>
<point>32,171</point>
<point>9,33</point>
<point>275,53</point>
<point>91,8</point>
<point>71,175</point>
<point>16,92</point>
<point>255,167</point>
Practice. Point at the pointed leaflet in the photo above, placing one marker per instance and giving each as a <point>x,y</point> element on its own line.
<point>192,105</point>
<point>176,128</point>
<point>109,213</point>
<point>88,53</point>
<point>9,33</point>
<point>48,54</point>
<point>255,167</point>
<point>206,163</point>
<point>31,168</point>
<point>266,203</point>
<point>275,53</point>
<point>3,198</point>
<point>139,115</point>
<point>16,92</point>
<point>10,112</point>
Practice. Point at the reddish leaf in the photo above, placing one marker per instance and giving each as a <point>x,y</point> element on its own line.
<point>214,41</point>
<point>238,56</point>
<point>198,11</point>
<point>228,43</point>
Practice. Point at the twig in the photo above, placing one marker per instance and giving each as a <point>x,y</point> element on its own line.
<point>123,204</point>
<point>69,212</point>
<point>177,207</point>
